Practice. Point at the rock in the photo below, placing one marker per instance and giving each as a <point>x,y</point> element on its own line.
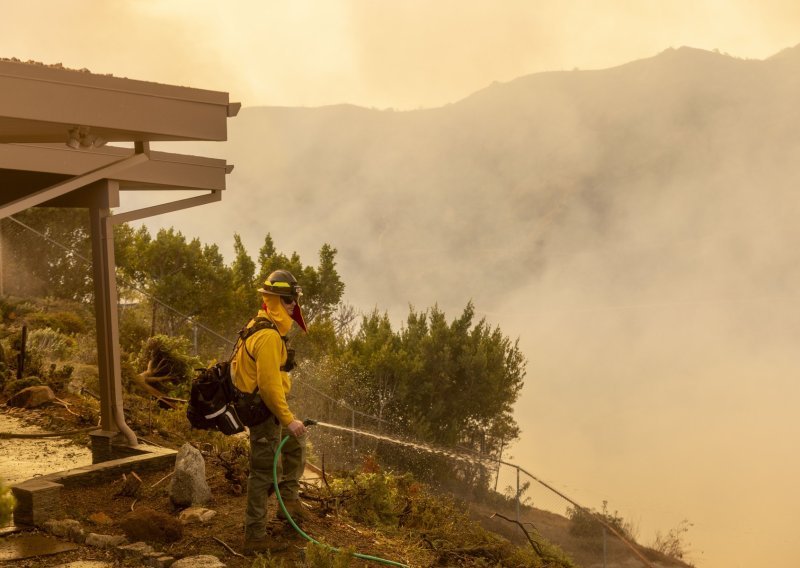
<point>196,515</point>
<point>188,485</point>
<point>151,526</point>
<point>200,561</point>
<point>100,519</point>
<point>157,559</point>
<point>160,561</point>
<point>136,549</point>
<point>104,540</point>
<point>66,528</point>
<point>32,397</point>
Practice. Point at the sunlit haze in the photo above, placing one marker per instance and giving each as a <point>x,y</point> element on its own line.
<point>651,285</point>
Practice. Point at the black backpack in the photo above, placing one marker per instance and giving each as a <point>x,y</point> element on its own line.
<point>214,401</point>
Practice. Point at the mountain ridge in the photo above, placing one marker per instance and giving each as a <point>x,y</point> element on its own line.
<point>512,174</point>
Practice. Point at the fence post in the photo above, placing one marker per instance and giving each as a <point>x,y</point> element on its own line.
<point>353,426</point>
<point>499,460</point>
<point>518,494</point>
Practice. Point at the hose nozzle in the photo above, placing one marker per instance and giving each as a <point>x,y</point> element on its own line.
<point>309,422</point>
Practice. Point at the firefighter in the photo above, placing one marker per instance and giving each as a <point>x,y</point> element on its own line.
<point>263,362</point>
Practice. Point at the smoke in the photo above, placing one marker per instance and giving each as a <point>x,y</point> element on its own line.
<point>661,332</point>
<point>632,227</point>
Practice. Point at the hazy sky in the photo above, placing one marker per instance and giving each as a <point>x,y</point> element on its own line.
<point>402,54</point>
<point>408,54</point>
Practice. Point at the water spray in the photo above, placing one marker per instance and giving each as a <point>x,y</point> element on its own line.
<point>310,422</point>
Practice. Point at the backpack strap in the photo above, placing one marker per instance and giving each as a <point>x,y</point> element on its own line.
<point>260,323</point>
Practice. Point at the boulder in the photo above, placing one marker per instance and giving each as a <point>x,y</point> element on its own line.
<point>189,486</point>
<point>66,528</point>
<point>32,397</point>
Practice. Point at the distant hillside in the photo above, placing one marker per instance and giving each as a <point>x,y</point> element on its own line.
<point>476,198</point>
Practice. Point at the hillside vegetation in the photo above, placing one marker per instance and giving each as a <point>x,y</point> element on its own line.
<point>409,519</point>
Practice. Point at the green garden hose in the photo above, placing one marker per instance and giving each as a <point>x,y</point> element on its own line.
<point>298,529</point>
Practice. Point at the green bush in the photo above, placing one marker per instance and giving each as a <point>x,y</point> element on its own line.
<point>133,330</point>
<point>586,523</point>
<point>165,356</point>
<point>16,385</point>
<point>373,498</point>
<point>322,556</point>
<point>69,323</point>
<point>267,562</point>
<point>51,345</point>
<point>85,349</point>
<point>13,309</point>
<point>6,504</point>
<point>59,378</point>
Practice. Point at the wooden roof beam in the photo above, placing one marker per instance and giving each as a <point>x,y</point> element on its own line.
<point>37,198</point>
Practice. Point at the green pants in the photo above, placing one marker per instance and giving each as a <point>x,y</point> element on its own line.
<point>264,441</point>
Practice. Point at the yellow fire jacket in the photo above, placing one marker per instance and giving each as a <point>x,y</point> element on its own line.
<point>269,350</point>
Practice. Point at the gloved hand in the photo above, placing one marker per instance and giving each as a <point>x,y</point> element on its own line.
<point>296,428</point>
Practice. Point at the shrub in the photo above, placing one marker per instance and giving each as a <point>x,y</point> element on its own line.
<point>586,523</point>
<point>14,309</point>
<point>16,385</point>
<point>58,379</point>
<point>372,498</point>
<point>165,356</point>
<point>322,556</point>
<point>50,344</point>
<point>267,562</point>
<point>6,504</point>
<point>133,330</point>
<point>65,322</point>
<point>672,544</point>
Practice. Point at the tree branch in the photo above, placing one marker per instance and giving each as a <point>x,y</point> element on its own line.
<point>534,544</point>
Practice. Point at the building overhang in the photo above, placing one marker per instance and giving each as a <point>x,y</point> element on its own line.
<point>54,127</point>
<point>40,103</point>
<point>55,124</point>
<point>27,168</point>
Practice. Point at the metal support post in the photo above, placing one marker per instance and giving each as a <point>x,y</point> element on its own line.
<point>517,494</point>
<point>107,318</point>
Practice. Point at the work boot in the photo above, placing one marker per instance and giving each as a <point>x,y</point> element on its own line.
<point>262,545</point>
<point>295,509</point>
